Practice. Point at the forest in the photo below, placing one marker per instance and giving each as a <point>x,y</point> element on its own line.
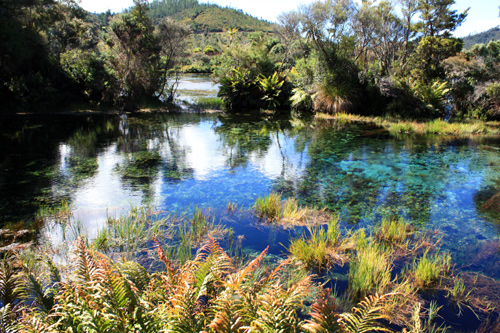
<point>330,56</point>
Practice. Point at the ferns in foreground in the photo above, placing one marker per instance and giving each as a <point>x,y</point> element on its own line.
<point>206,294</point>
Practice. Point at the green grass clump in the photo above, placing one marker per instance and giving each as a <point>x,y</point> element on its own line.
<point>60,213</point>
<point>428,270</point>
<point>318,250</point>
<point>402,127</point>
<point>370,270</point>
<point>288,212</point>
<point>130,232</point>
<point>394,231</point>
<point>436,126</point>
<point>268,207</point>
<point>312,252</point>
<point>209,103</point>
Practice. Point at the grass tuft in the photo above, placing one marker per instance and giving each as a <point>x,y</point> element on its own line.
<point>272,208</point>
<point>370,271</point>
<point>268,207</point>
<point>429,269</point>
<point>436,126</point>
<point>209,103</point>
<point>394,231</point>
<point>321,249</point>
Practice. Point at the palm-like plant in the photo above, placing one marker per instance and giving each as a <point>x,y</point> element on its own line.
<point>270,87</point>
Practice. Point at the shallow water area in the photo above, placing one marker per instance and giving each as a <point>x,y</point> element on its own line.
<point>104,165</point>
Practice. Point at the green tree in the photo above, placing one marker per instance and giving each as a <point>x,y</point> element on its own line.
<point>28,72</point>
<point>136,53</point>
<point>409,9</point>
<point>171,37</point>
<point>438,19</point>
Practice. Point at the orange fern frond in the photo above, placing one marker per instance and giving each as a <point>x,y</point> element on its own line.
<point>163,258</point>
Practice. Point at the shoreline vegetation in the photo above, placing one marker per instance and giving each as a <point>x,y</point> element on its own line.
<point>373,59</point>
<point>436,126</point>
<point>150,272</point>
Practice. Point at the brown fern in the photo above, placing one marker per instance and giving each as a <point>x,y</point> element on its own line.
<point>324,315</point>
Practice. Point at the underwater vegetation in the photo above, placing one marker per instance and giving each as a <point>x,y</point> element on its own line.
<point>142,164</point>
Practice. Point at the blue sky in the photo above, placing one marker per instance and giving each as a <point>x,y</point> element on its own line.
<point>483,14</point>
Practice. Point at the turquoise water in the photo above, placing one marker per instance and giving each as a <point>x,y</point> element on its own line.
<point>96,163</point>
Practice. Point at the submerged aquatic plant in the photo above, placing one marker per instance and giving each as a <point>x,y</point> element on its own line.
<point>142,164</point>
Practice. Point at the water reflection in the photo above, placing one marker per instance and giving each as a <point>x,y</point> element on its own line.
<point>105,164</point>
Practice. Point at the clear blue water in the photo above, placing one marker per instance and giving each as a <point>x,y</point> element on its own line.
<point>209,160</point>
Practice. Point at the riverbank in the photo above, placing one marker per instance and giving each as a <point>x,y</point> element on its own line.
<point>436,126</point>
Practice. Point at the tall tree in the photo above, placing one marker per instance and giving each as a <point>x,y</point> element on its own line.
<point>438,19</point>
<point>288,30</point>
<point>171,36</point>
<point>136,51</point>
<point>409,9</point>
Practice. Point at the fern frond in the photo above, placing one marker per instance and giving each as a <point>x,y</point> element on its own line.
<point>137,274</point>
<point>365,316</point>
<point>273,315</point>
<point>86,265</point>
<point>297,292</point>
<point>212,265</point>
<point>263,283</point>
<point>11,283</point>
<point>54,271</point>
<point>8,323</point>
<point>43,296</point>
<point>227,316</point>
<point>146,321</point>
<point>324,315</point>
<point>234,282</point>
<point>163,258</point>
<point>184,316</point>
<point>34,324</point>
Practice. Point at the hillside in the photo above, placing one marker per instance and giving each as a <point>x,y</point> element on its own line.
<point>207,17</point>
<point>482,37</point>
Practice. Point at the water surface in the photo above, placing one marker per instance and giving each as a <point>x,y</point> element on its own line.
<point>207,160</point>
<point>105,164</point>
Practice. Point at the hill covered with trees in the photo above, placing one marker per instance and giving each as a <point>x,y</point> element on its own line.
<point>206,17</point>
<point>484,37</point>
